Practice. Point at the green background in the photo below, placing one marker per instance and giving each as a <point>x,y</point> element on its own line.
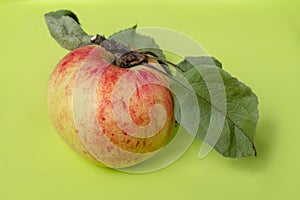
<point>257,41</point>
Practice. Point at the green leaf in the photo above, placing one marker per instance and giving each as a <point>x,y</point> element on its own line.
<point>190,62</point>
<point>64,27</point>
<point>130,38</point>
<point>236,138</point>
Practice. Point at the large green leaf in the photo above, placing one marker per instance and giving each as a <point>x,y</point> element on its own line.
<point>241,114</point>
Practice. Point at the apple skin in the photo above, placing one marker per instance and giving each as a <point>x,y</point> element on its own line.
<point>112,116</point>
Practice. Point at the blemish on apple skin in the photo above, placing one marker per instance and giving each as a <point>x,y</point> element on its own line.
<point>137,90</point>
<point>63,64</point>
<point>108,149</point>
<point>124,133</point>
<point>137,144</point>
<point>85,152</point>
<point>123,104</point>
<point>94,71</point>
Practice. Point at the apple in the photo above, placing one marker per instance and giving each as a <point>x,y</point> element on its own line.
<point>112,116</point>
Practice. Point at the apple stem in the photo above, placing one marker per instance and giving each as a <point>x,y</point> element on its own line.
<point>126,58</point>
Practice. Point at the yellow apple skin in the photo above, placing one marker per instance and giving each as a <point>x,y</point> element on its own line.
<point>112,116</point>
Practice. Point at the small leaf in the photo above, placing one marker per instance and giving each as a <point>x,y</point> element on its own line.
<point>64,27</point>
<point>241,116</point>
<point>133,40</point>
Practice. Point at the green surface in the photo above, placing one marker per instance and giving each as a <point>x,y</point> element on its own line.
<point>257,41</point>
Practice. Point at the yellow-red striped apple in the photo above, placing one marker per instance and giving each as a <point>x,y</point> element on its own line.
<point>113,116</point>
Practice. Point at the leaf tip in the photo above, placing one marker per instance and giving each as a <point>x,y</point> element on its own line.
<point>134,26</point>
<point>61,13</point>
